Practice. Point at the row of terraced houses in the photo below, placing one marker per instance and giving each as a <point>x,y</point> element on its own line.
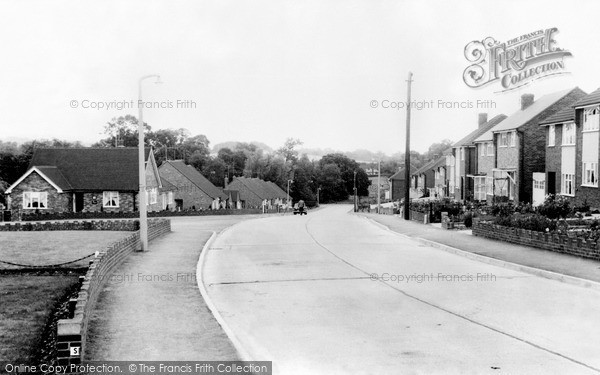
<point>548,146</point>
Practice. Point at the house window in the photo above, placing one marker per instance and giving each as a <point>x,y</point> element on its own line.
<point>551,135</point>
<point>482,149</point>
<point>152,196</point>
<point>35,199</point>
<point>568,134</point>
<point>503,139</point>
<point>437,174</point>
<point>590,174</point>
<point>591,119</point>
<point>567,184</point>
<point>489,185</point>
<point>462,154</point>
<point>170,200</point>
<point>490,148</point>
<point>480,189</point>
<point>512,137</point>
<point>110,199</point>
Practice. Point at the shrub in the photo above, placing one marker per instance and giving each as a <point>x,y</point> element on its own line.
<point>534,222</point>
<point>468,218</point>
<point>555,206</point>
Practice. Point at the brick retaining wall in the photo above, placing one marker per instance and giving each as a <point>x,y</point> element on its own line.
<point>71,333</point>
<point>547,241</point>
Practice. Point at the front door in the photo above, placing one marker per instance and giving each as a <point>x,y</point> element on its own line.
<point>78,202</point>
<point>551,183</point>
<point>539,188</point>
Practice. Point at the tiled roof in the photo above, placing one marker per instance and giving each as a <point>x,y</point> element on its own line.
<point>471,137</point>
<point>263,189</point>
<point>54,174</point>
<point>522,117</point>
<point>400,174</point>
<point>276,189</point>
<point>592,98</point>
<point>90,168</point>
<point>197,179</point>
<point>564,115</point>
<point>429,165</point>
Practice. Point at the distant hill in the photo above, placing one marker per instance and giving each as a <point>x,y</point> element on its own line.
<point>232,144</point>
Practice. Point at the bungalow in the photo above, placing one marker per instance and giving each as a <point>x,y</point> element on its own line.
<point>194,191</point>
<point>465,182</point>
<point>84,180</point>
<point>256,193</point>
<point>520,144</point>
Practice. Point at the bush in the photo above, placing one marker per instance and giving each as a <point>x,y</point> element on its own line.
<point>534,222</point>
<point>468,218</point>
<point>555,206</point>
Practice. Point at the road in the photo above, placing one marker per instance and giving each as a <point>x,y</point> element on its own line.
<point>333,293</point>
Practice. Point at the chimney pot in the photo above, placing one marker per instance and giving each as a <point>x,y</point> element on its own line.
<point>526,100</point>
<point>482,119</point>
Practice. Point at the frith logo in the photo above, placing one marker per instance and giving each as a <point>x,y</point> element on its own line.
<point>514,63</point>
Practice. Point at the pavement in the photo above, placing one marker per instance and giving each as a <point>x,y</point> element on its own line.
<point>563,264</point>
<point>333,293</point>
<point>152,309</point>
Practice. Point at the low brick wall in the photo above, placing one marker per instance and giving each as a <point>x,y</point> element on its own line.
<point>547,241</point>
<point>417,216</point>
<point>113,225</point>
<point>71,333</point>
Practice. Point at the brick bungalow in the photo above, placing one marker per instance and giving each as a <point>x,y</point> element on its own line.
<point>464,180</point>
<point>520,144</point>
<point>254,192</point>
<point>84,180</point>
<point>194,191</point>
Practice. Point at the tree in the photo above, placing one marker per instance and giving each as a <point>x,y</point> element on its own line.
<point>331,183</point>
<point>123,131</point>
<point>215,171</point>
<point>347,168</point>
<point>288,150</point>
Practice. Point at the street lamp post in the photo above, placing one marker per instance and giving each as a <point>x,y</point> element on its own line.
<point>379,186</point>
<point>318,190</point>
<point>354,191</point>
<point>142,167</point>
<point>288,192</point>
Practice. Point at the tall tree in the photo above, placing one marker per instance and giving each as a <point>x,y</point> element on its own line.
<point>123,131</point>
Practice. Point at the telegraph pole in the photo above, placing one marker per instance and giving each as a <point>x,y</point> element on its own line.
<point>407,153</point>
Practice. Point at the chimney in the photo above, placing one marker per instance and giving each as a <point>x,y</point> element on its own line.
<point>482,119</point>
<point>526,101</point>
<point>225,182</point>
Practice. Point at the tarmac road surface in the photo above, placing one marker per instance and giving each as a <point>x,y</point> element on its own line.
<point>333,293</point>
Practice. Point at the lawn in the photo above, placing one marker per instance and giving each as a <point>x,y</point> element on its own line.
<point>27,303</point>
<point>28,299</point>
<point>53,247</point>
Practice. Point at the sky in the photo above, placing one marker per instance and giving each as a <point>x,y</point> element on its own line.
<point>270,70</point>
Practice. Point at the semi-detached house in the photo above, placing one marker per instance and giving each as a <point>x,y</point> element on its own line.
<point>520,147</point>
